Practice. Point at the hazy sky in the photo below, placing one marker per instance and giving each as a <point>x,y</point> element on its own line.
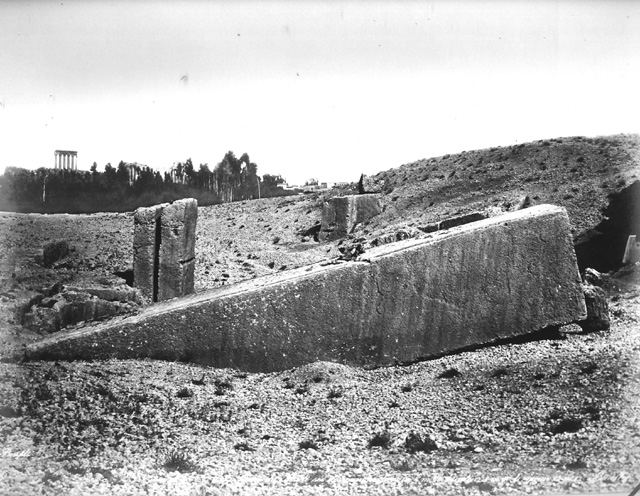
<point>325,89</point>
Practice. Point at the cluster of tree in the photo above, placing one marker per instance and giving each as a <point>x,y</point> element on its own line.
<point>130,186</point>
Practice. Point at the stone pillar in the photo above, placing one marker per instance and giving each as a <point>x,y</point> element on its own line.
<point>146,221</point>
<point>164,249</point>
<point>177,249</point>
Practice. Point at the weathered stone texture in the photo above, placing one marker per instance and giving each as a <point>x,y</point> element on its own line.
<point>474,284</point>
<point>145,221</point>
<point>597,309</point>
<point>341,214</point>
<point>164,249</point>
<point>177,249</point>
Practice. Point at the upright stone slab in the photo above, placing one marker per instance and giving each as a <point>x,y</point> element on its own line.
<point>341,214</point>
<point>631,251</point>
<point>474,284</point>
<point>146,238</point>
<point>177,249</point>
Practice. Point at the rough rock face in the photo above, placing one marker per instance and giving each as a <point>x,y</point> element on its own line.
<point>368,184</point>
<point>597,309</point>
<point>81,303</point>
<point>341,214</point>
<point>53,252</point>
<point>164,249</point>
<point>493,279</point>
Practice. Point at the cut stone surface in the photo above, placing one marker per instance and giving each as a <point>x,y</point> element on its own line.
<point>145,220</point>
<point>341,214</point>
<point>474,284</point>
<point>631,251</point>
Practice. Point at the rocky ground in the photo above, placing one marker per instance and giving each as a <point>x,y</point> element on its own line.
<point>543,416</point>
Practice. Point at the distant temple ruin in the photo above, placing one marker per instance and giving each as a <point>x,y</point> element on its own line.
<point>66,159</point>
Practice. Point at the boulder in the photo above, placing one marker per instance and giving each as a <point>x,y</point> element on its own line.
<point>597,309</point>
<point>367,184</point>
<point>341,215</point>
<point>52,252</point>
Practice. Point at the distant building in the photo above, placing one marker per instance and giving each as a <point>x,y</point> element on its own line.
<point>65,159</point>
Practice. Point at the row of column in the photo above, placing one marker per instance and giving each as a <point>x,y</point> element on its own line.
<point>66,160</point>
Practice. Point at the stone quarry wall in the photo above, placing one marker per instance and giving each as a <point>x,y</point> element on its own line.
<point>474,284</point>
<point>164,249</point>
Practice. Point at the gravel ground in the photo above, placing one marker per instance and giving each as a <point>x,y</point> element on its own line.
<point>530,418</point>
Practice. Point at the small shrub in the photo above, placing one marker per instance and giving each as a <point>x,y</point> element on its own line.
<point>407,388</point>
<point>302,389</point>
<point>569,424</point>
<point>394,404</point>
<point>222,386</point>
<point>243,447</point>
<point>178,461</point>
<point>500,372</point>
<point>403,466</point>
<point>184,393</point>
<point>308,444</point>
<point>449,374</point>
<point>380,439</point>
<point>414,443</point>
<point>276,240</point>
<point>335,393</point>
<point>589,369</point>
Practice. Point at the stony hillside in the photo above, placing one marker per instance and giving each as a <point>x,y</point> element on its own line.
<point>584,175</point>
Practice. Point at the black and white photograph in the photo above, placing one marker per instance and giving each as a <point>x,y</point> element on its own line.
<point>320,247</point>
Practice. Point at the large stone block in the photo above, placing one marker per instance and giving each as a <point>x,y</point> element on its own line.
<point>474,284</point>
<point>146,221</point>
<point>177,249</point>
<point>341,214</point>
<point>164,249</point>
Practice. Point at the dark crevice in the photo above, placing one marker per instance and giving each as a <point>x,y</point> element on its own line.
<point>156,259</point>
<point>602,247</point>
<point>127,275</point>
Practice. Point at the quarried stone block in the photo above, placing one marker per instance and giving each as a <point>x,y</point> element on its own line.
<point>341,214</point>
<point>177,249</point>
<point>146,238</point>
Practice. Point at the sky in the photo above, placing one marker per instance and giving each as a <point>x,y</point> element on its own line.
<point>309,89</point>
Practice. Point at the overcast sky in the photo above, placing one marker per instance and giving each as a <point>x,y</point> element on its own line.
<point>327,89</point>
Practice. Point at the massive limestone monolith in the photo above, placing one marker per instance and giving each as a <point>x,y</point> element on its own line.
<point>474,284</point>
<point>146,238</point>
<point>341,214</point>
<point>164,249</point>
<point>177,249</point>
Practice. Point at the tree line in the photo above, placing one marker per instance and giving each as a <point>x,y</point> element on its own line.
<point>129,186</point>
